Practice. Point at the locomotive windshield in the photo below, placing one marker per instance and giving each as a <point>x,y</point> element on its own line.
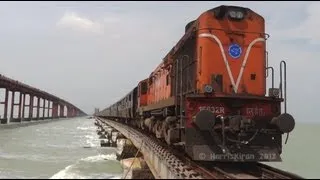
<point>236,14</point>
<point>232,12</point>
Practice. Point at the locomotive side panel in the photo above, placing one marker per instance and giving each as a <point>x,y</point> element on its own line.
<point>150,91</point>
<point>159,85</point>
<point>142,97</point>
<point>184,68</point>
<point>177,73</point>
<point>159,92</point>
<point>143,93</point>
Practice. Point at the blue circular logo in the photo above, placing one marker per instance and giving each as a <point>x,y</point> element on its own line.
<point>235,51</point>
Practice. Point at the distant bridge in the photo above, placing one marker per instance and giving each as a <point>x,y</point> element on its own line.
<point>44,101</point>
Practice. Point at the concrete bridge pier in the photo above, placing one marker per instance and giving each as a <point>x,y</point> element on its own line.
<point>131,159</point>
<point>104,141</point>
<point>126,149</point>
<point>109,132</point>
<point>4,120</point>
<point>103,136</point>
<point>19,119</point>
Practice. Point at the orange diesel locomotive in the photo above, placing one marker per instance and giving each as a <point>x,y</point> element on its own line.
<point>208,95</point>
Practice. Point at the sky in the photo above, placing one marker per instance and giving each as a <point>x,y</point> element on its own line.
<point>92,53</point>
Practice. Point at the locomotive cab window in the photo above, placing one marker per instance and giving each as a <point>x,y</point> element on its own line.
<point>236,14</point>
<point>231,12</point>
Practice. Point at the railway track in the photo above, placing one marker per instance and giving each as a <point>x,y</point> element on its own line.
<point>241,170</point>
<point>250,171</point>
<point>222,170</point>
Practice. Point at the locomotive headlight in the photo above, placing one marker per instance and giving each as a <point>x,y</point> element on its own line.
<point>236,14</point>
<point>208,88</point>
<point>285,122</point>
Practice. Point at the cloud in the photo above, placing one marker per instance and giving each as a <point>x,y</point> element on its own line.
<point>304,25</point>
<point>309,28</point>
<point>75,22</point>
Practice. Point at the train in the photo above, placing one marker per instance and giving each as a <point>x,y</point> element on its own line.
<point>209,94</point>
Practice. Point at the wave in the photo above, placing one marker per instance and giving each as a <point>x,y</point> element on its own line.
<point>64,174</point>
<point>91,141</point>
<point>91,168</point>
<point>100,157</point>
<point>83,128</point>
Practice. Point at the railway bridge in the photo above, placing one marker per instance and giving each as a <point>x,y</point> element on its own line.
<point>164,162</point>
<point>51,106</point>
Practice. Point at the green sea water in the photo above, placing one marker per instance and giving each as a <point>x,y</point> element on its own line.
<point>301,153</point>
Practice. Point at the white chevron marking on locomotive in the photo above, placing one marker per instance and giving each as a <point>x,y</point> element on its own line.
<point>234,85</point>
